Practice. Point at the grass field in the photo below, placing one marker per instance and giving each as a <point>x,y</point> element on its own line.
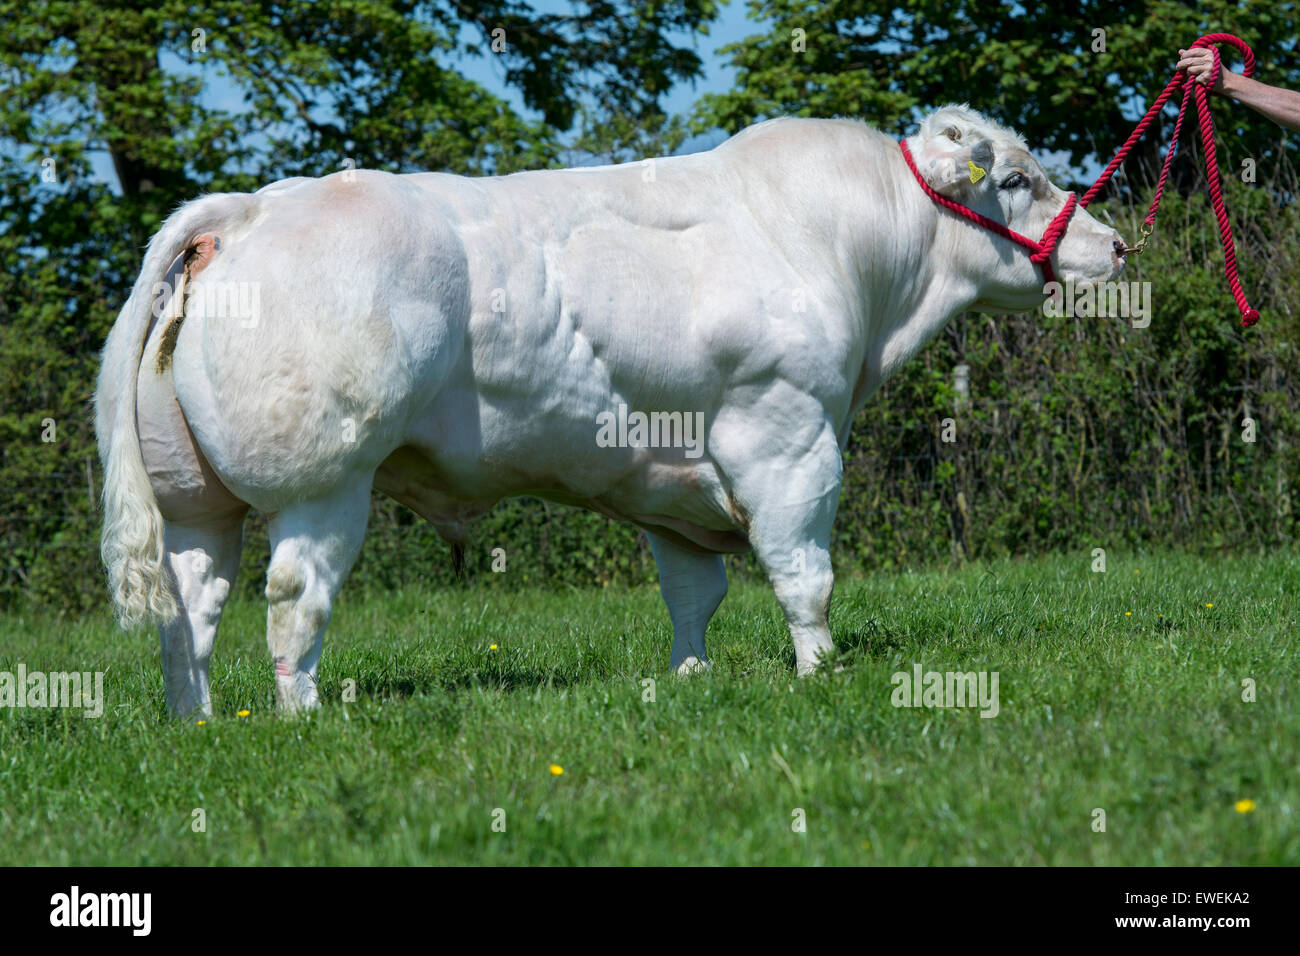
<point>1120,691</point>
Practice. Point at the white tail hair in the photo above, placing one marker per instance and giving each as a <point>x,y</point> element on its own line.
<point>131,544</point>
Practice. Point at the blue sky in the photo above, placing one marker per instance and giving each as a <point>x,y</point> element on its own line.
<point>731,25</point>
<point>718,77</point>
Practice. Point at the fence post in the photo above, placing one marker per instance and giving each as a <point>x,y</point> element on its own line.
<point>961,384</point>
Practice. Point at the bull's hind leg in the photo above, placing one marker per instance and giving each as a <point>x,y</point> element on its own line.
<point>203,560</point>
<point>693,585</point>
<point>313,546</point>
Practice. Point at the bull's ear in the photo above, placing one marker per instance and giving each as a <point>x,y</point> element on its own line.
<point>951,165</point>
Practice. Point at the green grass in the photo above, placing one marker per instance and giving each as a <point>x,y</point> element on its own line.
<point>1139,715</point>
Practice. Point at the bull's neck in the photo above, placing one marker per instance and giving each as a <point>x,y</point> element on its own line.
<point>911,288</point>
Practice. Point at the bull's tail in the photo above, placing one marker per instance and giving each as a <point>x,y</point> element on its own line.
<point>131,544</point>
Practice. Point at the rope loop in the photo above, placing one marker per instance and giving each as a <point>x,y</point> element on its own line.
<point>1198,93</point>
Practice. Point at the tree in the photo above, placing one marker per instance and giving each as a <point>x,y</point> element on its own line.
<point>1073,78</point>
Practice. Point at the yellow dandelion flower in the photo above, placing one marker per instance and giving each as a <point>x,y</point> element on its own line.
<point>201,723</point>
<point>1128,613</point>
<point>1244,806</point>
<point>492,647</point>
<point>244,713</point>
<point>556,770</point>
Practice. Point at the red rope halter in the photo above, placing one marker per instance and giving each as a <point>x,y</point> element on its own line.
<point>1042,250</point>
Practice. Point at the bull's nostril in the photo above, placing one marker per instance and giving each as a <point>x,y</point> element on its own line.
<point>1120,247</point>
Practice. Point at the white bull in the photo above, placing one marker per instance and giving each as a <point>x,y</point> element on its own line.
<point>455,341</point>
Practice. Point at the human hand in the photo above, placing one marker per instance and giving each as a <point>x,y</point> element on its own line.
<point>1199,65</point>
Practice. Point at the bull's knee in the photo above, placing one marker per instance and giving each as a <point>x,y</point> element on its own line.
<point>284,583</point>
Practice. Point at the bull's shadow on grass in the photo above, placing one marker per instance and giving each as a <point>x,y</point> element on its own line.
<point>505,680</point>
<point>872,639</point>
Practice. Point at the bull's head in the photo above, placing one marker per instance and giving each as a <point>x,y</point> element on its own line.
<point>987,168</point>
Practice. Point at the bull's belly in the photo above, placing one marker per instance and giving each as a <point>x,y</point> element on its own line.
<point>682,502</point>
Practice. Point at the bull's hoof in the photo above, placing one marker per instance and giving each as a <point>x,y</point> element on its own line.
<point>818,666</point>
<point>692,665</point>
<point>184,704</point>
<point>808,670</point>
<point>295,692</point>
<point>294,707</point>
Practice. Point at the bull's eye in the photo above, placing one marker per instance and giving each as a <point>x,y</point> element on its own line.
<point>1015,181</point>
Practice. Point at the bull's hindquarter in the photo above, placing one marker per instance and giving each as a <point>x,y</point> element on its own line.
<point>455,341</point>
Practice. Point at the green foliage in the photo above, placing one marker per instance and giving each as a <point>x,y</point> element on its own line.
<point>1088,432</point>
<point>1078,431</point>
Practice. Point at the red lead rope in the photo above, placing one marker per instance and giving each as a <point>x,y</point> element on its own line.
<point>1193,89</point>
<point>1041,251</point>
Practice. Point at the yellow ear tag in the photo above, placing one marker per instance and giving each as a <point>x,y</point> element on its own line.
<point>976,174</point>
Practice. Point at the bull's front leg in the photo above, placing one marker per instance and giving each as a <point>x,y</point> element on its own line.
<point>693,585</point>
<point>791,502</point>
